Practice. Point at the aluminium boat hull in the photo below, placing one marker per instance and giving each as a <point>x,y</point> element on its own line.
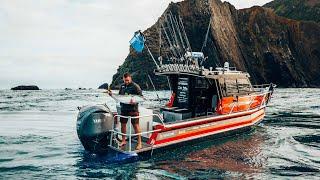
<point>202,129</point>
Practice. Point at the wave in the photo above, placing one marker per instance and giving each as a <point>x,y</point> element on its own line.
<point>310,140</point>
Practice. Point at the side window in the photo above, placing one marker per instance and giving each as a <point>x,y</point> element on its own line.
<point>244,85</point>
<point>223,87</point>
<point>231,86</point>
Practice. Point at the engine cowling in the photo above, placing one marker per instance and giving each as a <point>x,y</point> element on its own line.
<point>93,127</point>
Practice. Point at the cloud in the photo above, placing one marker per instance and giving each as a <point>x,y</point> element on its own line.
<point>70,43</point>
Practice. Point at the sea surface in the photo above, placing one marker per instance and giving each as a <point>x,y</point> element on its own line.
<point>38,140</point>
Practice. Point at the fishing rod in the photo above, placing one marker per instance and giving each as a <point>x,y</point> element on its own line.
<point>185,34</point>
<point>171,47</point>
<point>154,88</point>
<point>179,33</point>
<point>172,32</point>
<point>169,84</point>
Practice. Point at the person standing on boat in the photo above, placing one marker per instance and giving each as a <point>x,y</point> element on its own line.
<point>129,88</point>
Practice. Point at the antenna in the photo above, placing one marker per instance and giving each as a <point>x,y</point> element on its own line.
<point>159,39</point>
<point>206,38</point>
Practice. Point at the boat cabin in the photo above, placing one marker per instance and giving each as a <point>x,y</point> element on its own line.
<point>201,92</point>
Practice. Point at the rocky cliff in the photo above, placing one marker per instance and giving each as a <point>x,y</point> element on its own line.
<point>307,10</point>
<point>271,48</point>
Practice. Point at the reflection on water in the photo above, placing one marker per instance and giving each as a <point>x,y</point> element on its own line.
<point>38,140</point>
<point>238,155</point>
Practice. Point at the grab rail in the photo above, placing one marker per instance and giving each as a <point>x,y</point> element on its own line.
<point>261,86</point>
<point>264,85</point>
<point>130,133</point>
<point>137,117</point>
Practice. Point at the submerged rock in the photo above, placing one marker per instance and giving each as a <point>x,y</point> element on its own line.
<point>23,87</point>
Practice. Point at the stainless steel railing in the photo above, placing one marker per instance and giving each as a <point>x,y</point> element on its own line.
<point>129,134</point>
<point>262,86</point>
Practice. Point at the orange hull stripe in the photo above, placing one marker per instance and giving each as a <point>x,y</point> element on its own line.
<point>207,130</point>
<point>206,121</point>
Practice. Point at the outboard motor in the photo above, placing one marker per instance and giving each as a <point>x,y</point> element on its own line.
<point>93,126</point>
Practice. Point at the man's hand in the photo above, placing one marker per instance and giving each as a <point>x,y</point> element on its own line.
<point>108,92</point>
<point>132,101</point>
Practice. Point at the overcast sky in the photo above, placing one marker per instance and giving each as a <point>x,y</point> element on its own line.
<point>72,43</point>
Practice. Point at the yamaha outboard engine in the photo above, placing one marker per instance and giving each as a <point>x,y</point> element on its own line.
<point>93,126</point>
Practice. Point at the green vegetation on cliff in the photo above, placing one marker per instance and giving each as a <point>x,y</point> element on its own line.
<point>307,10</point>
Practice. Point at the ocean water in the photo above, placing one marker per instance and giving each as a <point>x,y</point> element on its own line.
<point>38,140</point>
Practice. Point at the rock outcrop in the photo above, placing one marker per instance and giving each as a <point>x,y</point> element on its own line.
<point>256,40</point>
<point>104,86</point>
<point>23,87</point>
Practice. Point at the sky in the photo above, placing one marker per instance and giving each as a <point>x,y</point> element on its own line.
<point>72,43</point>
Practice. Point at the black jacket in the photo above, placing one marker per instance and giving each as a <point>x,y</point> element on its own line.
<point>130,89</point>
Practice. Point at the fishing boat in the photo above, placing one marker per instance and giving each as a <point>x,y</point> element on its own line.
<point>205,102</point>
